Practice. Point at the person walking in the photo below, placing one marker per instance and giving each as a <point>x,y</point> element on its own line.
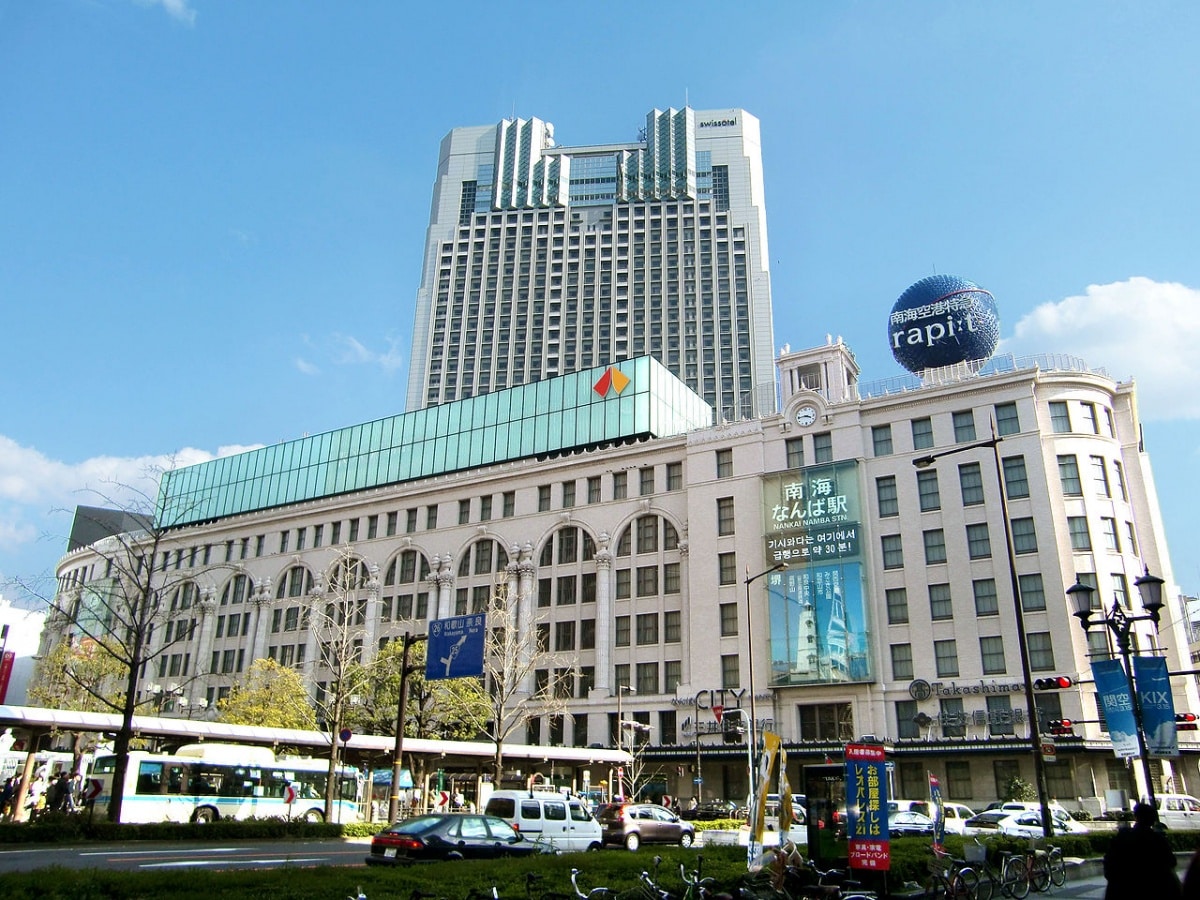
<point>8,795</point>
<point>1139,862</point>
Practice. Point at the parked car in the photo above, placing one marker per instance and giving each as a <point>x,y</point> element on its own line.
<point>1018,824</point>
<point>955,813</point>
<point>1061,815</point>
<point>634,824</point>
<point>907,823</point>
<point>715,809</point>
<point>448,836</point>
<point>799,813</point>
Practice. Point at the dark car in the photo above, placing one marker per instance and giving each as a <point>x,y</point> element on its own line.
<point>634,824</point>
<point>447,836</point>
<point>711,810</point>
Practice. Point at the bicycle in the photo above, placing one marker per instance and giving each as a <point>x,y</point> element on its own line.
<point>1058,866</point>
<point>951,878</point>
<point>991,878</point>
<point>696,886</point>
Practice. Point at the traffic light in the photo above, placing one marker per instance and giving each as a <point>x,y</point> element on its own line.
<point>1055,683</point>
<point>1186,722</point>
<point>733,731</point>
<point>1062,727</point>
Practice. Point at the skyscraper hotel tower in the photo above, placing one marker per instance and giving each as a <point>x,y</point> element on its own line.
<point>542,260</point>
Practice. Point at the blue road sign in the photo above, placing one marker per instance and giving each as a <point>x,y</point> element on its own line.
<point>456,647</point>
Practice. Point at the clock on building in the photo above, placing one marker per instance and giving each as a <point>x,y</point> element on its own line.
<point>806,415</point>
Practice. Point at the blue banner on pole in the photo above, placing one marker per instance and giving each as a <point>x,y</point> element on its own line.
<point>939,810</point>
<point>1112,686</point>
<point>1158,706</point>
<point>456,647</point>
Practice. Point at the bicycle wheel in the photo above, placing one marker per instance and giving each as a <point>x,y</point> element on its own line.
<point>965,883</point>
<point>1039,873</point>
<point>1058,867</point>
<point>1014,878</point>
<point>986,887</point>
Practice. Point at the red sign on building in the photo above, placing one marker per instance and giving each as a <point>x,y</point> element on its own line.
<point>6,667</point>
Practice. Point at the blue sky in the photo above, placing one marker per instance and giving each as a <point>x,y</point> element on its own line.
<point>212,213</point>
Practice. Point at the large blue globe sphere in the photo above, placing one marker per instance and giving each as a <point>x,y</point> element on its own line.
<point>943,320</point>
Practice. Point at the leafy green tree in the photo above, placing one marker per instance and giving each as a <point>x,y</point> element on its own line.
<point>270,696</point>
<point>1019,789</point>
<point>454,710</point>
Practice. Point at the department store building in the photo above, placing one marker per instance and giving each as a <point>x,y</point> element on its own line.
<point>641,538</point>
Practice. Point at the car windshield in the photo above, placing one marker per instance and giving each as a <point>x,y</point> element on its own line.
<point>418,825</point>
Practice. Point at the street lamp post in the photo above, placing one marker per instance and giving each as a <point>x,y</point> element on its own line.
<point>752,725</point>
<point>398,748</point>
<point>1035,737</point>
<point>1120,623</point>
<point>622,689</point>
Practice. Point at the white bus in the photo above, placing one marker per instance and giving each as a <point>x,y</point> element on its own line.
<point>206,782</point>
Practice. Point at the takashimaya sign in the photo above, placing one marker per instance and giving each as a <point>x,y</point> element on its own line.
<point>920,689</point>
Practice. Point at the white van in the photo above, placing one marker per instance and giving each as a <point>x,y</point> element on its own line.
<point>560,820</point>
<point>1178,811</point>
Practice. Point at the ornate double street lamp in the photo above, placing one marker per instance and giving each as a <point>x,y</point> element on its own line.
<point>1035,737</point>
<point>1120,623</point>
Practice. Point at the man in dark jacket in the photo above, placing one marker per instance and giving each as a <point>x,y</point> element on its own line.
<point>1139,863</point>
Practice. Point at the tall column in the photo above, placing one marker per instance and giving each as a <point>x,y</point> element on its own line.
<point>207,607</point>
<point>311,613</point>
<point>261,600</point>
<point>445,588</point>
<point>604,621</point>
<point>526,588</point>
<point>371,615</point>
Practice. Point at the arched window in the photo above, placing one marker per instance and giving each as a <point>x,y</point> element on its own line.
<point>184,596</point>
<point>296,582</point>
<point>237,590</point>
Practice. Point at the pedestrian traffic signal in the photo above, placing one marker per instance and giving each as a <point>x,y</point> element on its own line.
<point>1186,722</point>
<point>1056,683</point>
<point>1062,727</point>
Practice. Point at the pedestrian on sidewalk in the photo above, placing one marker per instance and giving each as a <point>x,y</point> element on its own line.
<point>1139,863</point>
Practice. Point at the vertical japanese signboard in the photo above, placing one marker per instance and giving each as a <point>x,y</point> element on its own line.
<point>866,803</point>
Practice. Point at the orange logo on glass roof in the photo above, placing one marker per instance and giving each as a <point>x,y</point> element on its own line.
<point>612,378</point>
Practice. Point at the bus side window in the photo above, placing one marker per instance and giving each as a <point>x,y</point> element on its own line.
<point>176,779</point>
<point>149,779</point>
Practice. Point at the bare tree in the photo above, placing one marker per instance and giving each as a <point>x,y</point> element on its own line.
<point>135,606</point>
<point>524,679</point>
<point>80,675</point>
<point>337,621</point>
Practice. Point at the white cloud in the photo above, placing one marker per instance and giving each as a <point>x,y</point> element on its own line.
<point>305,367</point>
<point>179,10</point>
<point>354,352</point>
<point>1141,329</point>
<point>38,496</point>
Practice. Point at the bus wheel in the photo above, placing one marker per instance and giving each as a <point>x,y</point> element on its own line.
<point>314,815</point>
<point>204,815</point>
